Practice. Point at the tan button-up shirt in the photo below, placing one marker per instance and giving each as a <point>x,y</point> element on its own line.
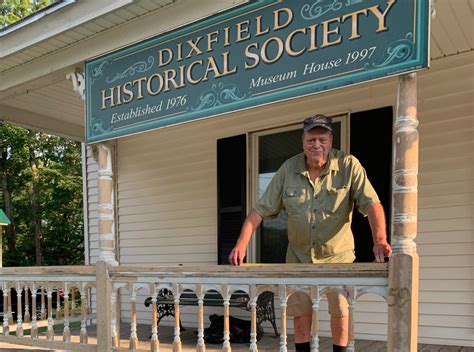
<point>319,213</point>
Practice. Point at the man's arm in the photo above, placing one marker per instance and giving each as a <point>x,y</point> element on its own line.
<point>378,226</point>
<point>253,220</point>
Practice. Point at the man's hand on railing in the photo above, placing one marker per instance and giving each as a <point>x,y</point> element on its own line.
<point>236,257</point>
<point>382,250</point>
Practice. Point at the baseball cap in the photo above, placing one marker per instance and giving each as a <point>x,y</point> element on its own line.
<point>317,120</point>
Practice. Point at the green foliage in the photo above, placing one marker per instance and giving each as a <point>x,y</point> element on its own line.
<point>12,11</point>
<point>55,165</point>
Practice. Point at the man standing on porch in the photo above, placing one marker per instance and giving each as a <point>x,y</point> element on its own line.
<point>318,188</point>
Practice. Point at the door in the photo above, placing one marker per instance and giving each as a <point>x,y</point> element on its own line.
<point>270,149</point>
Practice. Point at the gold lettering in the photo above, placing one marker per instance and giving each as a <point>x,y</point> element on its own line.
<point>194,47</point>
<point>189,74</point>
<point>313,41</point>
<point>276,18</point>
<point>241,30</point>
<point>211,40</point>
<point>108,97</point>
<point>263,53</point>
<point>227,70</point>
<point>381,16</point>
<point>162,61</point>
<point>211,66</point>
<point>140,90</point>
<point>226,36</point>
<point>259,30</point>
<point>288,40</point>
<point>127,92</point>
<point>327,32</point>
<point>149,83</point>
<point>179,47</point>
<point>355,22</point>
<point>252,56</point>
<point>170,76</point>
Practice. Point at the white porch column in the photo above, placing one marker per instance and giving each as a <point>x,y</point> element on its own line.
<point>404,263</point>
<point>105,186</point>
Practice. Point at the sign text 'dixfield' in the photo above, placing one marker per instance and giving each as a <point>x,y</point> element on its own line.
<point>255,54</point>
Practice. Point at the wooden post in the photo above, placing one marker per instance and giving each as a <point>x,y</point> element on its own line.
<point>283,301</point>
<point>27,306</point>
<point>177,345</point>
<point>133,324</point>
<point>50,331</point>
<point>155,342</point>
<point>19,317</point>
<point>6,325</point>
<point>34,326</point>
<point>105,188</point>
<point>83,338</point>
<point>200,345</point>
<point>253,319</point>
<point>104,308</point>
<point>404,262</point>
<point>315,319</point>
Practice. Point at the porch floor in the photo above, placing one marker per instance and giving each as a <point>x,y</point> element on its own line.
<point>269,343</point>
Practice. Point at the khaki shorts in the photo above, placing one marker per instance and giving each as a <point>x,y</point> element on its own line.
<point>299,303</point>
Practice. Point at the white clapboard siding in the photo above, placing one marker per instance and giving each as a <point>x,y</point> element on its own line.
<point>167,196</point>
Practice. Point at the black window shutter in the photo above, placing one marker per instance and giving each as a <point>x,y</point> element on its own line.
<point>231,193</point>
<point>371,143</point>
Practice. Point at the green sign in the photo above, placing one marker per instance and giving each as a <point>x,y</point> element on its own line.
<point>257,53</point>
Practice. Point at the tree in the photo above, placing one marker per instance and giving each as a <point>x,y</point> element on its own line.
<point>41,190</point>
<point>12,11</point>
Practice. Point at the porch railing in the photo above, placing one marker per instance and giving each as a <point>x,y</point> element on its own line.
<point>73,287</point>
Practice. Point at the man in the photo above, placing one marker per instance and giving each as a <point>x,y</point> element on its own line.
<point>318,188</point>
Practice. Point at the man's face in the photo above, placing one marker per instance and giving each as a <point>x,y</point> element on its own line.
<point>317,144</point>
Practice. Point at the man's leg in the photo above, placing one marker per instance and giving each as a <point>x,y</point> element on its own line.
<point>339,310</point>
<point>302,329</point>
<point>340,330</point>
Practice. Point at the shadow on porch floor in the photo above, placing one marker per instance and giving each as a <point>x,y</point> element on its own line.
<point>269,343</point>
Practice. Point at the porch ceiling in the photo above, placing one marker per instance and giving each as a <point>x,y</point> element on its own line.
<point>49,103</point>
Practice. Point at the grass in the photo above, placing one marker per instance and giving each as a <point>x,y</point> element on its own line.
<point>57,328</point>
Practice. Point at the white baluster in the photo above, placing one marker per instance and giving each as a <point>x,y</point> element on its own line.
<point>177,338</point>
<point>66,331</point>
<point>133,325</point>
<point>27,306</point>
<point>351,301</point>
<point>58,304</point>
<point>73,302</point>
<point>50,331</point>
<point>201,345</point>
<point>19,317</point>
<point>43,305</point>
<point>253,319</point>
<point>10,313</point>
<point>283,300</point>
<point>34,325</point>
<point>226,345</point>
<point>83,338</point>
<point>113,322</point>
<point>315,327</point>
<point>155,342</point>
<point>6,327</point>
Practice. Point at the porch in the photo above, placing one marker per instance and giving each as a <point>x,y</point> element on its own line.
<point>95,294</point>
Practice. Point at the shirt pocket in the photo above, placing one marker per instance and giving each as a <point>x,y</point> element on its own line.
<point>334,198</point>
<point>295,200</point>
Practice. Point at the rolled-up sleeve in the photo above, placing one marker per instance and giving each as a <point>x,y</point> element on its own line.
<point>363,192</point>
<point>271,202</point>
